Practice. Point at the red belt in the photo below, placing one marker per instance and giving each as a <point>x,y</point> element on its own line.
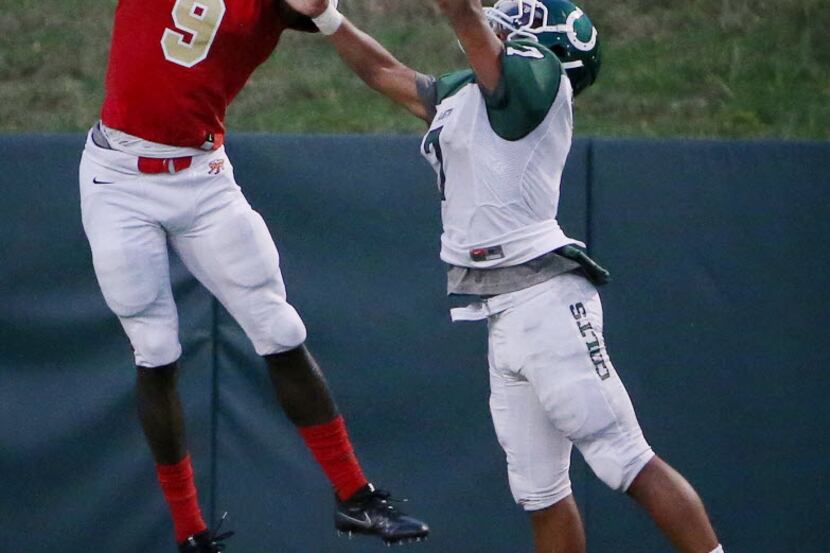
<point>172,165</point>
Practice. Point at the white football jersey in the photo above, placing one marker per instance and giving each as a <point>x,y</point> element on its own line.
<point>500,195</point>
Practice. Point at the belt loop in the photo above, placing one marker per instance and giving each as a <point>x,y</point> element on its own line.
<point>98,137</point>
<point>171,166</point>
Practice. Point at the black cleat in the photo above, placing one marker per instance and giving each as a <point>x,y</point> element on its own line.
<point>206,542</point>
<point>369,511</point>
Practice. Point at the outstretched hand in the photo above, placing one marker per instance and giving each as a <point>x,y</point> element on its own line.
<point>310,8</point>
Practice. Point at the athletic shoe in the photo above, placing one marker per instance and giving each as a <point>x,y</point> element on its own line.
<point>369,511</point>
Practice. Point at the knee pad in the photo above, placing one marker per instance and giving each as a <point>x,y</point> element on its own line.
<point>541,499</point>
<point>617,461</point>
<point>153,345</point>
<point>281,330</point>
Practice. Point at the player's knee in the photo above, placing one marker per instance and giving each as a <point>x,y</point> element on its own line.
<point>156,347</point>
<point>533,493</point>
<point>609,470</point>
<point>283,331</point>
<point>617,467</point>
<point>542,500</point>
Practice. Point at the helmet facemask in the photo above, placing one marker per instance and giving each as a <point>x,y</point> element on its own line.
<point>512,18</point>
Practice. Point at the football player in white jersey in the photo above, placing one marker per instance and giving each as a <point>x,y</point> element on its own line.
<point>498,139</point>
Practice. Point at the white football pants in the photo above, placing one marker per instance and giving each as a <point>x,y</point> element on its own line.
<point>552,385</point>
<point>130,217</point>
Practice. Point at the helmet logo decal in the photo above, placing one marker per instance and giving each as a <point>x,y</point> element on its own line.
<point>572,36</point>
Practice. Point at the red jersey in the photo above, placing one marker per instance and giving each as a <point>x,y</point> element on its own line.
<point>175,65</point>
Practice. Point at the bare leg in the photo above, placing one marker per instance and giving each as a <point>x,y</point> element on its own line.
<point>160,413</point>
<point>675,507</point>
<point>307,401</point>
<point>301,387</point>
<point>558,529</point>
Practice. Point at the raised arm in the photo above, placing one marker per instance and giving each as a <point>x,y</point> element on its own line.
<point>379,69</point>
<point>369,59</point>
<point>481,45</point>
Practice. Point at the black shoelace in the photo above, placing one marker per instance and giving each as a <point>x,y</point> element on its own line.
<point>216,539</point>
<point>382,496</point>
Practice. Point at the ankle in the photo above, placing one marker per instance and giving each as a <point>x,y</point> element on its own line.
<point>331,447</point>
<point>179,488</point>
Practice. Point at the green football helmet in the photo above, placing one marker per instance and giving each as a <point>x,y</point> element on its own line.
<point>556,24</point>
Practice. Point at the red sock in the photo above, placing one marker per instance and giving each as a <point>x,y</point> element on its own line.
<point>329,442</point>
<point>179,490</point>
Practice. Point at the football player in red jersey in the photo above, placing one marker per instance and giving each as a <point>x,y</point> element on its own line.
<point>154,172</point>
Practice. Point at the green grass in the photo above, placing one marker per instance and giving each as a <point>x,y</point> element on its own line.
<point>702,68</point>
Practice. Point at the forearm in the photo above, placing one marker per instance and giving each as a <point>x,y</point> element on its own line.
<point>379,69</point>
<point>367,58</point>
<point>364,55</point>
<point>481,45</point>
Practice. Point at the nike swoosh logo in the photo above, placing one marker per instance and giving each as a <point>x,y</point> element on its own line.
<point>96,181</point>
<point>365,523</point>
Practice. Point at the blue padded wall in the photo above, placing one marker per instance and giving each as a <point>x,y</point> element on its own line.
<point>716,320</point>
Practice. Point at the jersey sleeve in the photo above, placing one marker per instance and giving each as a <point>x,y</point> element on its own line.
<point>433,91</point>
<point>294,20</point>
<point>428,93</point>
<point>530,80</point>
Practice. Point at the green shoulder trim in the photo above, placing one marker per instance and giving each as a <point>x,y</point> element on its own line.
<point>529,83</point>
<point>451,83</point>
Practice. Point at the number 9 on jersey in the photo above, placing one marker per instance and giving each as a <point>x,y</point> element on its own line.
<point>198,21</point>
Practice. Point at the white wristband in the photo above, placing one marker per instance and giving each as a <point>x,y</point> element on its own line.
<point>330,20</point>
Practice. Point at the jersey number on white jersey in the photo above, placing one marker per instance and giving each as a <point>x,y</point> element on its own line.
<point>432,142</point>
<point>198,21</point>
